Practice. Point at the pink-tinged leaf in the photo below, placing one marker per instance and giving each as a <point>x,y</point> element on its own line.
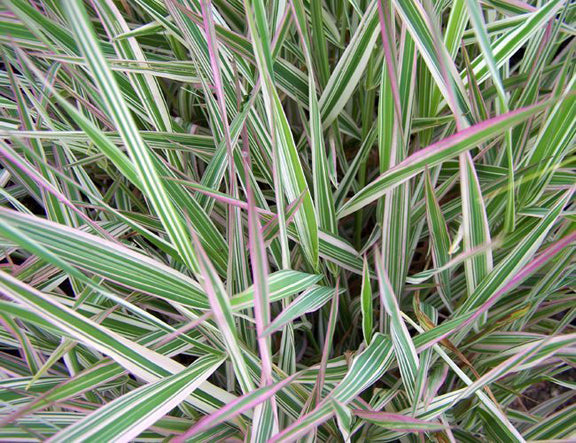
<point>461,321</point>
<point>398,422</point>
<point>271,229</point>
<point>328,341</point>
<point>366,368</point>
<point>266,414</point>
<point>218,196</point>
<point>222,310</point>
<point>212,43</point>
<point>437,153</point>
<point>235,408</point>
<point>8,153</point>
<point>385,29</point>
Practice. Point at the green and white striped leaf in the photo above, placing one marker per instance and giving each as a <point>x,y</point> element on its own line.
<point>404,349</point>
<point>127,416</point>
<point>437,153</point>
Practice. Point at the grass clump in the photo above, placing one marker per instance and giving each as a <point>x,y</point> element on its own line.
<point>273,221</point>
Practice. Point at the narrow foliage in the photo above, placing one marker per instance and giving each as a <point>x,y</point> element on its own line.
<point>281,220</point>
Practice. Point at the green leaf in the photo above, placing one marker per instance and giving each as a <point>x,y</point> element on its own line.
<point>366,304</point>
